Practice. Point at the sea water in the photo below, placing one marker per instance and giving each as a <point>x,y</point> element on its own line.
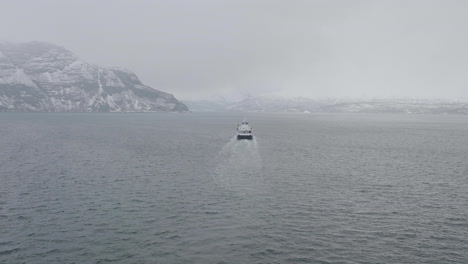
<point>180,188</point>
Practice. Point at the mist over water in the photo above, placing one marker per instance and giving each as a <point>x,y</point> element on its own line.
<point>180,188</point>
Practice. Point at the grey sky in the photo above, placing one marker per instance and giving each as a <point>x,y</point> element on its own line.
<point>313,48</point>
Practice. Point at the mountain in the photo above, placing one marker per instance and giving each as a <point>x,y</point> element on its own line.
<point>208,105</point>
<point>338,105</point>
<point>275,104</point>
<point>406,106</point>
<point>43,77</point>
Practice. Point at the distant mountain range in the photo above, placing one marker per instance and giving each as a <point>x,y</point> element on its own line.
<point>333,105</point>
<point>43,77</point>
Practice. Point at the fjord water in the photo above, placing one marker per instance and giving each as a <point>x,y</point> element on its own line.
<point>179,188</point>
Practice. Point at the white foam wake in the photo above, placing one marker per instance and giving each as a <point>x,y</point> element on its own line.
<point>239,167</point>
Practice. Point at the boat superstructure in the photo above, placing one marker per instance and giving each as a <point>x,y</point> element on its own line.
<point>244,131</point>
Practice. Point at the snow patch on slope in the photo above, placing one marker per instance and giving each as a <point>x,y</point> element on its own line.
<point>18,77</point>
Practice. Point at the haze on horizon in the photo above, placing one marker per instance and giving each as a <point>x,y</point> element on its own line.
<point>312,48</point>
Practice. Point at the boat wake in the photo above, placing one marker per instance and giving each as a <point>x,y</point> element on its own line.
<point>239,167</point>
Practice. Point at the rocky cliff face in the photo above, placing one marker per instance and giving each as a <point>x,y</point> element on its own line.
<point>43,77</point>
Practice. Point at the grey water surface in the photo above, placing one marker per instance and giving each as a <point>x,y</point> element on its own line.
<point>179,188</point>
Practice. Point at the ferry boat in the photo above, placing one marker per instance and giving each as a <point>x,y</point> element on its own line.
<point>244,131</point>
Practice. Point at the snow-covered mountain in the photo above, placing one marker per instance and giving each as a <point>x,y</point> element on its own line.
<point>44,77</point>
<point>339,105</point>
<point>275,104</point>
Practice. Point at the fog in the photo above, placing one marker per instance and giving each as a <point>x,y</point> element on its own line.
<point>200,49</point>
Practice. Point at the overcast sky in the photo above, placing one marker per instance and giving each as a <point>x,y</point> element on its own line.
<point>316,48</point>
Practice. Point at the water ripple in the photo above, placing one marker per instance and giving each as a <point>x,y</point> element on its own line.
<point>79,188</point>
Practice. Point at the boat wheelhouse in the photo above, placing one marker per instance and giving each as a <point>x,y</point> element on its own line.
<point>244,131</point>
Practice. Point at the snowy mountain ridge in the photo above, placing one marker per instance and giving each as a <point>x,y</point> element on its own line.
<point>43,77</point>
<point>335,105</point>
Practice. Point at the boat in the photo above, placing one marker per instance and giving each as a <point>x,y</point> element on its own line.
<point>244,131</point>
